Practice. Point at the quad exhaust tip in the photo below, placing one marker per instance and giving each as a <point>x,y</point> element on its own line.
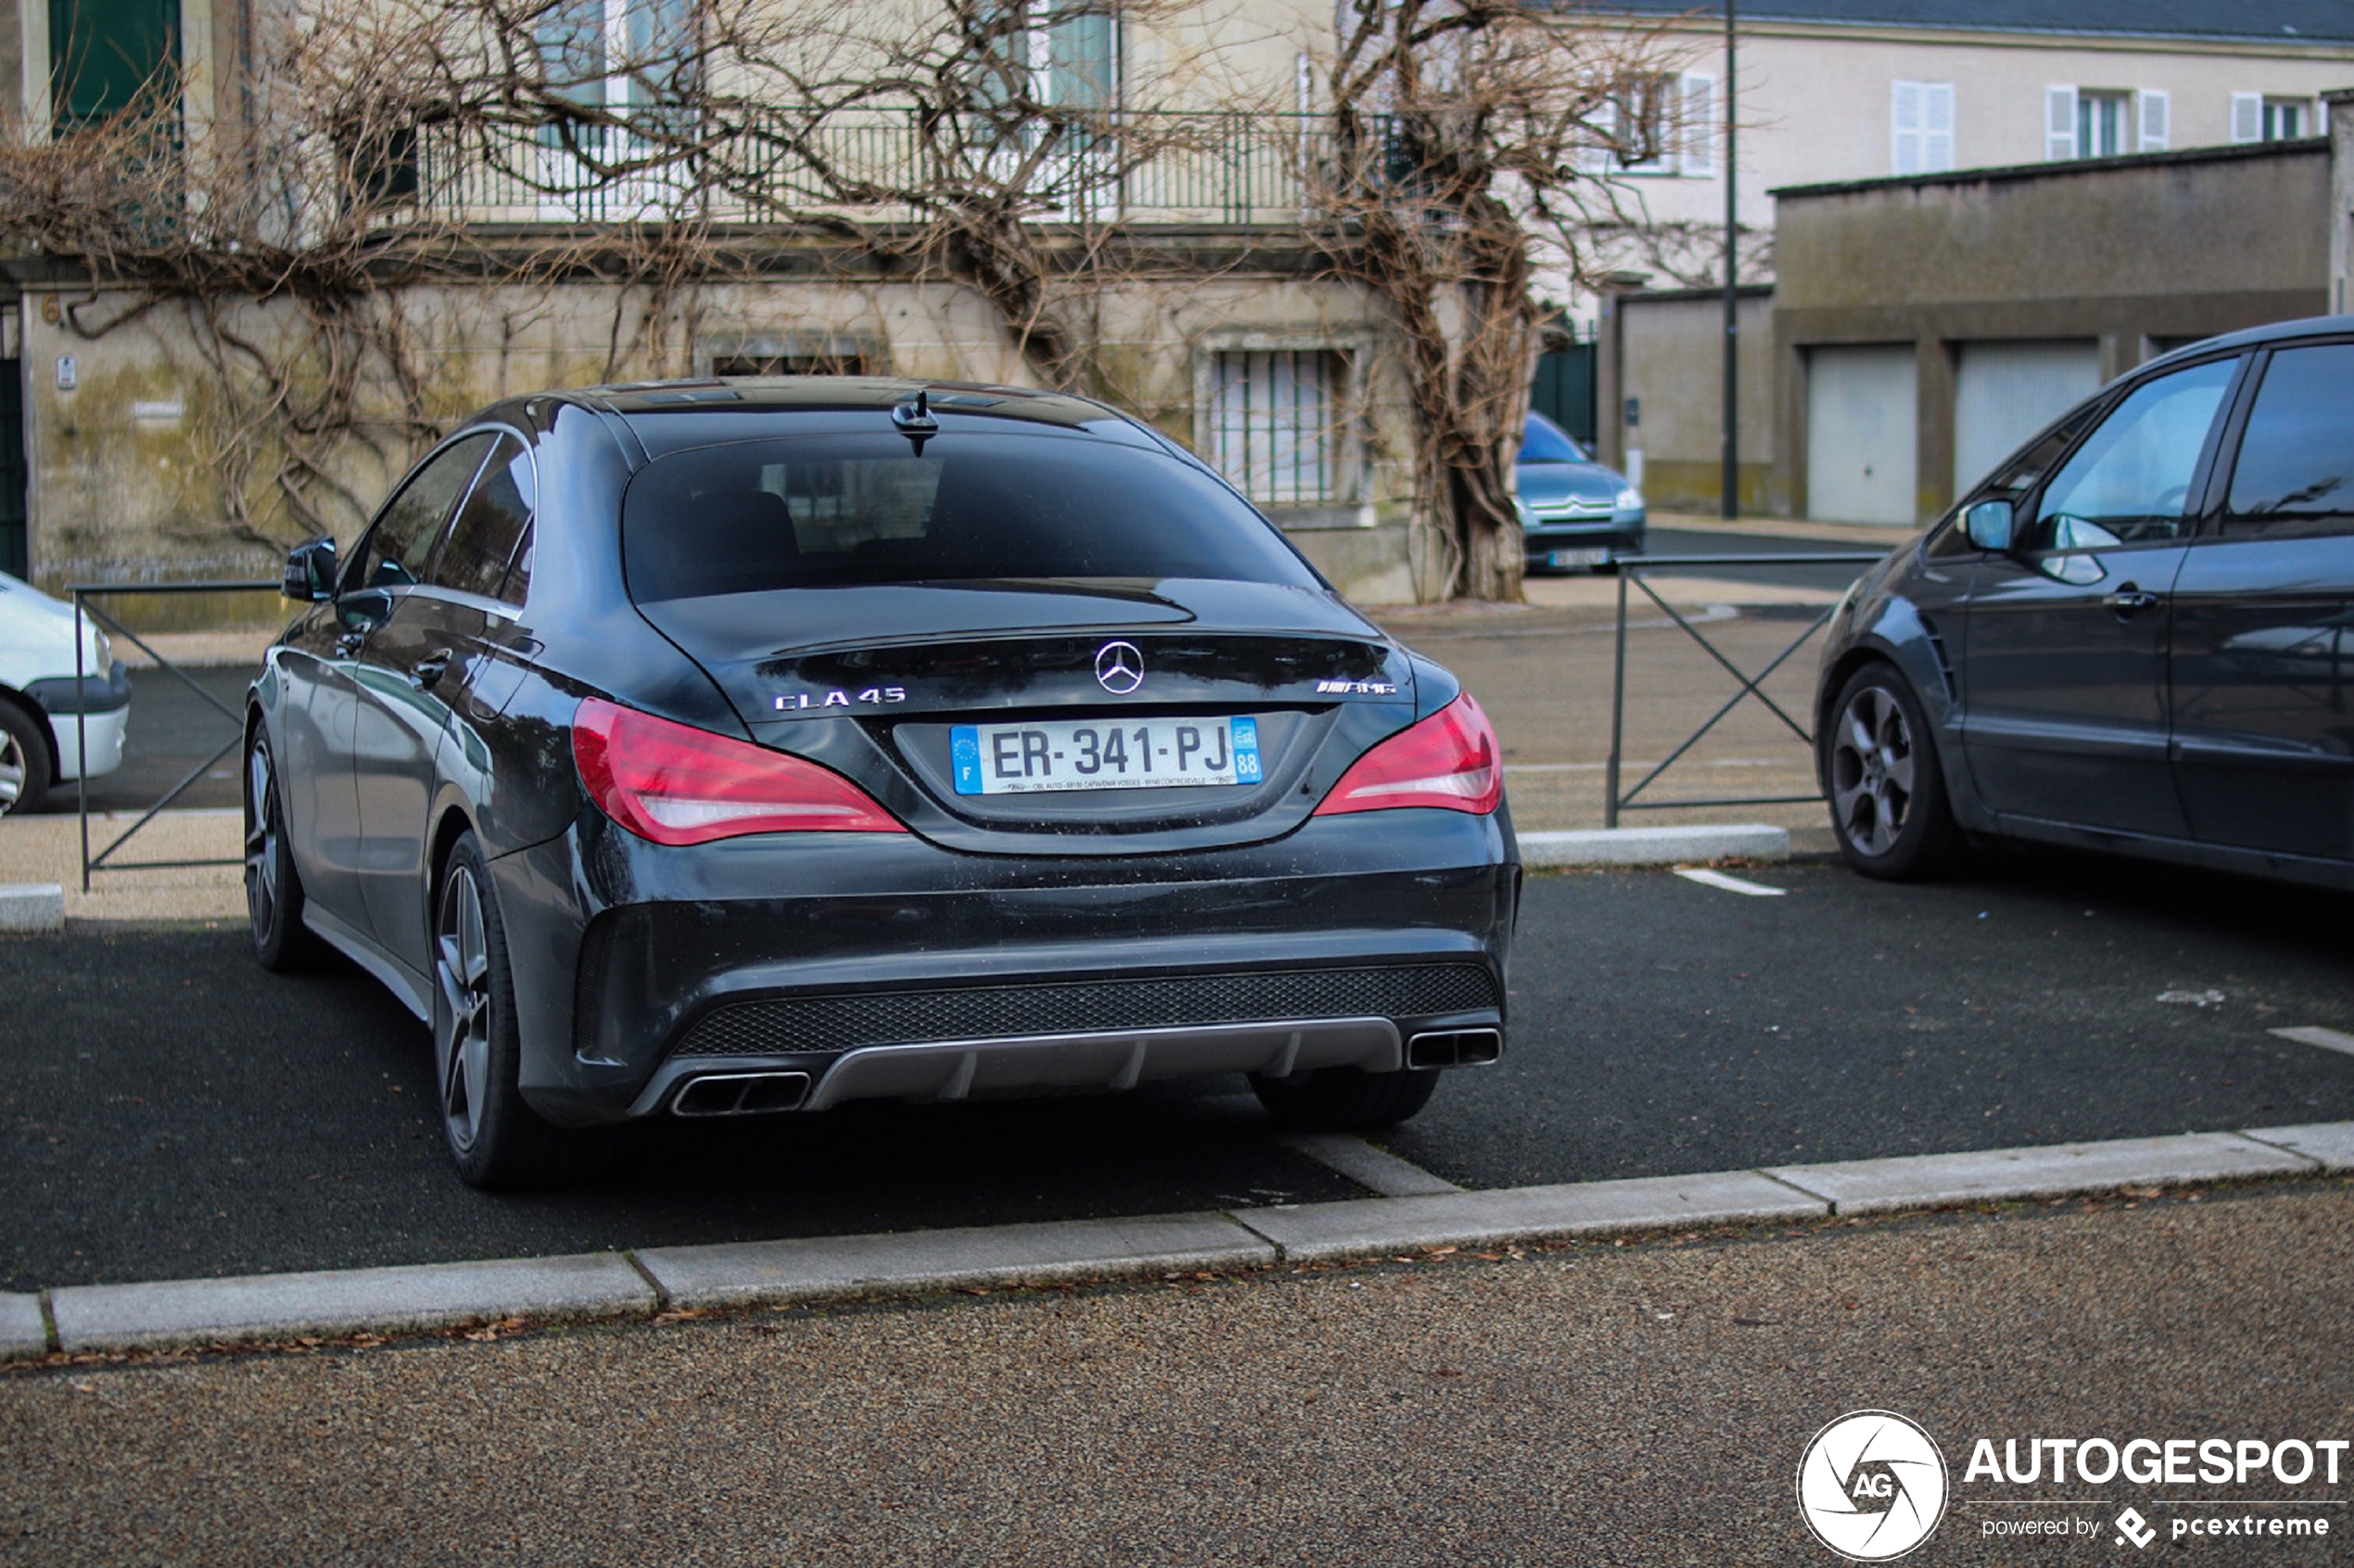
<point>1455,1048</point>
<point>742,1094</point>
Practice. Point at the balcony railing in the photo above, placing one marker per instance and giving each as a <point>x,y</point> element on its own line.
<point>1179,169</point>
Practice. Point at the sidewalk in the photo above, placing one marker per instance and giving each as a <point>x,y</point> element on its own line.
<point>47,848</point>
<point>1636,1404</point>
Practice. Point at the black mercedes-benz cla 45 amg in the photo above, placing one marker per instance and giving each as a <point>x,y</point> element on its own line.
<point>710,749</point>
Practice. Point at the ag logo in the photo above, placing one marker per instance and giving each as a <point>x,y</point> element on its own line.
<point>1872,1485</point>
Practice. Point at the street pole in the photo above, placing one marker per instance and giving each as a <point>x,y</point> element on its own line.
<point>1730,482</point>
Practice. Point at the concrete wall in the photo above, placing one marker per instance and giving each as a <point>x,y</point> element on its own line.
<point>1666,352</point>
<point>1816,100</point>
<point>127,463</point>
<point>2139,254</point>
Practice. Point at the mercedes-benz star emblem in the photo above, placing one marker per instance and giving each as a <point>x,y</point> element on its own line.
<point>1119,668</point>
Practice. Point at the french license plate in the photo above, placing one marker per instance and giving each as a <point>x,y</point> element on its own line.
<point>1018,759</point>
<point>1592,556</point>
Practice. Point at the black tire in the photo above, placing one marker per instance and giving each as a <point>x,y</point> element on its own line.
<point>273,888</point>
<point>495,1138</point>
<point>1889,807</point>
<point>24,762</point>
<point>1344,1099</point>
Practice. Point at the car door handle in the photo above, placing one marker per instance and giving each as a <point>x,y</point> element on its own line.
<point>429,669</point>
<point>2129,599</point>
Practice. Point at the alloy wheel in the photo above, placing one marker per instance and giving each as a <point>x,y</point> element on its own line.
<point>264,845</point>
<point>1872,770</point>
<point>461,1024</point>
<point>13,768</point>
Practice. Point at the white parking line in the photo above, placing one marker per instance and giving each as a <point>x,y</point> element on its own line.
<point>1731,884</point>
<point>1374,1168</point>
<point>2314,1034</point>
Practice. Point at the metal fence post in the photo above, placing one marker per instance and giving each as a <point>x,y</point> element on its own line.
<point>82,744</point>
<point>1618,706</point>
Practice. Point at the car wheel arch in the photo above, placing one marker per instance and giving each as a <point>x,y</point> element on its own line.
<point>1928,689</point>
<point>453,823</point>
<point>39,718</point>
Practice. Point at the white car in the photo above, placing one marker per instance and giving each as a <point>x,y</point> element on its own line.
<point>40,743</point>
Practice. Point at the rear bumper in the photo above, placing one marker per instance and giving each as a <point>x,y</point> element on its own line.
<point>896,969</point>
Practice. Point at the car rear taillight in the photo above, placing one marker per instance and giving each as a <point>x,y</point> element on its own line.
<point>1450,760</point>
<point>678,785</point>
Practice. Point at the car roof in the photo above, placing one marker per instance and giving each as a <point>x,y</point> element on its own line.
<point>639,400</point>
<point>2252,337</point>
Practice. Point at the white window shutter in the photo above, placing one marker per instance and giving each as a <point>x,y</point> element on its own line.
<point>1937,127</point>
<point>2154,116</point>
<point>2247,117</point>
<point>2059,123</point>
<point>1696,129</point>
<point>1598,157</point>
<point>1904,117</point>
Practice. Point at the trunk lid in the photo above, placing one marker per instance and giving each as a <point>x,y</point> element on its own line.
<point>876,681</point>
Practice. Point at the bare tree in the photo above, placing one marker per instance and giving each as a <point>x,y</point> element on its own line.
<point>1474,139</point>
<point>371,161</point>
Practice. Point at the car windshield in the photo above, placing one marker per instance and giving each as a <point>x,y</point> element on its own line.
<point>813,512</point>
<point>1543,441</point>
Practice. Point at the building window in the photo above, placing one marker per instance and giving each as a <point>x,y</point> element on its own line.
<point>617,56</point>
<point>1662,125</point>
<point>108,55</point>
<point>2256,118</point>
<point>1275,425</point>
<point>1921,127</point>
<point>2102,122</point>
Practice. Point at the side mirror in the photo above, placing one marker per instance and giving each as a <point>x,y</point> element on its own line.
<point>1989,525</point>
<point>311,572</point>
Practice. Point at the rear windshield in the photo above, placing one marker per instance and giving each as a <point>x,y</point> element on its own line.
<point>816,510</point>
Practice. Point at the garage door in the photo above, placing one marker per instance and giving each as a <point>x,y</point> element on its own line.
<point>2005,392</point>
<point>1860,434</point>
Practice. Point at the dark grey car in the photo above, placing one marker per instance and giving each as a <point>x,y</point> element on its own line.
<point>2136,635</point>
<point>708,748</point>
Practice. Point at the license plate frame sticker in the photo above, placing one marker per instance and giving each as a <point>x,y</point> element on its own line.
<point>1051,756</point>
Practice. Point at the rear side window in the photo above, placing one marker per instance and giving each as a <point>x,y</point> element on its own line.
<point>812,511</point>
<point>483,540</point>
<point>2296,468</point>
<point>394,553</point>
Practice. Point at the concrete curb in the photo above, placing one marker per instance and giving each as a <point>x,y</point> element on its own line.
<point>828,1268</point>
<point>428,1295</point>
<point>2330,1142</point>
<point>1683,845</point>
<point>1379,1227</point>
<point>22,1330</point>
<point>615,1284</point>
<point>32,906</point>
<point>1881,1186</point>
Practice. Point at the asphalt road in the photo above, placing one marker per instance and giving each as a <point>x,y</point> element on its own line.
<point>168,1109</point>
<point>172,730</point>
<point>1639,1405</point>
<point>1697,542</point>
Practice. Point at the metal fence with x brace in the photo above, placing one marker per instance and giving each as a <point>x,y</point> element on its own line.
<point>103,860</point>
<point>1751,686</point>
